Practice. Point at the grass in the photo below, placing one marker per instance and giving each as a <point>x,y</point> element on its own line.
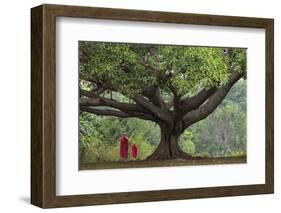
<point>161,163</point>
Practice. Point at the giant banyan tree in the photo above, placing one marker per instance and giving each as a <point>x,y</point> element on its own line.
<point>173,86</point>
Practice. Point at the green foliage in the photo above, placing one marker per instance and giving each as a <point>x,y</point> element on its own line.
<point>193,68</point>
<point>186,143</point>
<point>188,146</point>
<point>224,132</point>
<point>99,137</point>
<point>95,150</point>
<point>238,95</point>
<point>117,62</point>
<point>238,59</point>
<point>144,147</point>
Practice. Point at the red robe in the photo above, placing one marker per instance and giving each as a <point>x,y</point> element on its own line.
<point>134,150</point>
<point>124,147</point>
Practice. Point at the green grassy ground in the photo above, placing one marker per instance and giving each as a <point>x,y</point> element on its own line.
<point>162,163</point>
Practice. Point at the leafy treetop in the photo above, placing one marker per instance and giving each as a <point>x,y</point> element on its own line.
<point>132,68</point>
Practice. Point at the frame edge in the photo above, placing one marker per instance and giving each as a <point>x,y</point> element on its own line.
<point>37,190</point>
<point>269,34</point>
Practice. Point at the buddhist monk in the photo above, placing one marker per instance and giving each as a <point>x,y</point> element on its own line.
<point>124,144</point>
<point>134,151</point>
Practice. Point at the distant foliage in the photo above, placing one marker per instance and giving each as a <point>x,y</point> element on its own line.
<point>144,147</point>
<point>186,143</point>
<point>223,133</point>
<point>99,137</point>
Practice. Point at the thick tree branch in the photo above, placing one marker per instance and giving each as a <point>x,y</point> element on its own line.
<point>143,105</point>
<point>139,99</point>
<point>92,93</point>
<point>152,108</point>
<point>100,101</point>
<point>87,93</point>
<point>212,103</point>
<point>154,105</point>
<point>190,103</point>
<point>116,113</point>
<point>105,112</point>
<point>92,99</point>
<point>154,95</point>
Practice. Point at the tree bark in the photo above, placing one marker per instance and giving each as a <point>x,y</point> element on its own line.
<point>168,147</point>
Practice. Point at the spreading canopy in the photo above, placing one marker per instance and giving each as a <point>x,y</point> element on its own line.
<point>174,86</point>
<point>135,70</point>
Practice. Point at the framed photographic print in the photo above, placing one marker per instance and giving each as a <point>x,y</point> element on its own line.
<point>135,106</point>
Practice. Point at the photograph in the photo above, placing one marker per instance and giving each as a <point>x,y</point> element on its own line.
<point>140,105</point>
<point>153,105</point>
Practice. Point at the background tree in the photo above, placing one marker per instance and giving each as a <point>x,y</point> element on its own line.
<point>223,133</point>
<point>173,86</point>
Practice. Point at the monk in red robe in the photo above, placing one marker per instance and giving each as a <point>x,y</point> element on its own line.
<point>124,145</point>
<point>134,151</point>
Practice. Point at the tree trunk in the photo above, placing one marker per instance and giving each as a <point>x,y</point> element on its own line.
<point>168,147</point>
